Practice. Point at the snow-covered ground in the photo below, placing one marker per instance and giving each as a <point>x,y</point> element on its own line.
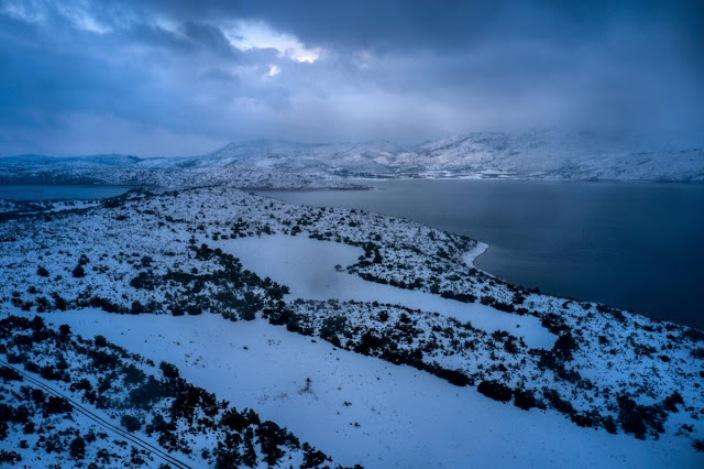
<point>307,267</point>
<point>362,409</point>
<point>608,371</point>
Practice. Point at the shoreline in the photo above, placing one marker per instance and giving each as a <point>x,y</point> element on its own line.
<point>473,254</point>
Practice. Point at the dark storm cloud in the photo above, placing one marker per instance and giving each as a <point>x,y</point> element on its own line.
<point>157,76</point>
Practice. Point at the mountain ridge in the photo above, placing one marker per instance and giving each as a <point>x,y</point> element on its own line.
<point>529,155</point>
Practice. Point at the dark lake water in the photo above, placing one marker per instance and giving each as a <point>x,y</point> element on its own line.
<point>54,192</point>
<point>634,245</point>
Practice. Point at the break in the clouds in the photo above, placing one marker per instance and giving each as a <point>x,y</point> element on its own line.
<point>178,77</point>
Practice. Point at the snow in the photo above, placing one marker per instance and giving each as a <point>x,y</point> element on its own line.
<point>549,155</point>
<point>471,256</point>
<point>396,416</point>
<point>307,267</point>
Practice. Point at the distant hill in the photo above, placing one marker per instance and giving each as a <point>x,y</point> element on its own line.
<point>547,155</point>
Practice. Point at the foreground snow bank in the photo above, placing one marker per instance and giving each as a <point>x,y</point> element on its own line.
<point>307,267</point>
<point>361,409</point>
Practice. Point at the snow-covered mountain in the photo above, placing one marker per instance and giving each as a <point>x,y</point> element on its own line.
<point>263,163</point>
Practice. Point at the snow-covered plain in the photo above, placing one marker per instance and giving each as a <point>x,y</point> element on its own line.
<point>362,409</point>
<point>307,267</point>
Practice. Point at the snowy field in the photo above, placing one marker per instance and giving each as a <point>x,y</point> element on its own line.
<point>307,267</point>
<point>364,410</point>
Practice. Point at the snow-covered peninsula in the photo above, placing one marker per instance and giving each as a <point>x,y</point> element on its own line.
<point>353,338</point>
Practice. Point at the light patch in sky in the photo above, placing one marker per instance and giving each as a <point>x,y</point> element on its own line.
<point>83,20</point>
<point>22,11</point>
<point>36,12</point>
<point>246,35</point>
<point>273,70</point>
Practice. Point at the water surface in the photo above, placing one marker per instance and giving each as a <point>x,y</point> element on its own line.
<point>634,245</point>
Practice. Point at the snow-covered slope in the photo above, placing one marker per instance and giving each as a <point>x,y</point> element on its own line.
<point>270,163</point>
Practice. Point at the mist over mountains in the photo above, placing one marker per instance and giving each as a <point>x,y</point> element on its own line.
<point>549,155</point>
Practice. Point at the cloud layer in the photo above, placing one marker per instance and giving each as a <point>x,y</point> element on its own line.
<point>176,77</point>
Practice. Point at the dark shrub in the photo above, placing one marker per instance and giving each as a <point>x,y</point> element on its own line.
<point>234,420</point>
<point>148,392</point>
<point>586,420</point>
<point>144,280</point>
<point>104,360</point>
<point>136,307</point>
<point>271,436</point>
<point>455,377</point>
<point>524,399</point>
<point>636,419</point>
<point>369,342</point>
<point>564,346</point>
<point>131,423</point>
<point>313,458</point>
<point>695,335</point>
<point>77,448</point>
<point>169,370</point>
<point>10,457</point>
<point>5,413</point>
<point>495,390</point>
<point>557,401</point>
<point>133,375</point>
<point>554,323</point>
<point>9,374</point>
<point>57,405</point>
<point>331,327</point>
<point>59,302</point>
<point>672,401</point>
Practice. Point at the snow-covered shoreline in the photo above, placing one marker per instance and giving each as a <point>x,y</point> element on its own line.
<point>471,256</point>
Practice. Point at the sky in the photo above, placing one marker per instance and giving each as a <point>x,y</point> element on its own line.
<point>158,77</point>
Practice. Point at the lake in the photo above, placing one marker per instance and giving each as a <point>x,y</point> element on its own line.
<point>634,245</point>
<point>56,192</point>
